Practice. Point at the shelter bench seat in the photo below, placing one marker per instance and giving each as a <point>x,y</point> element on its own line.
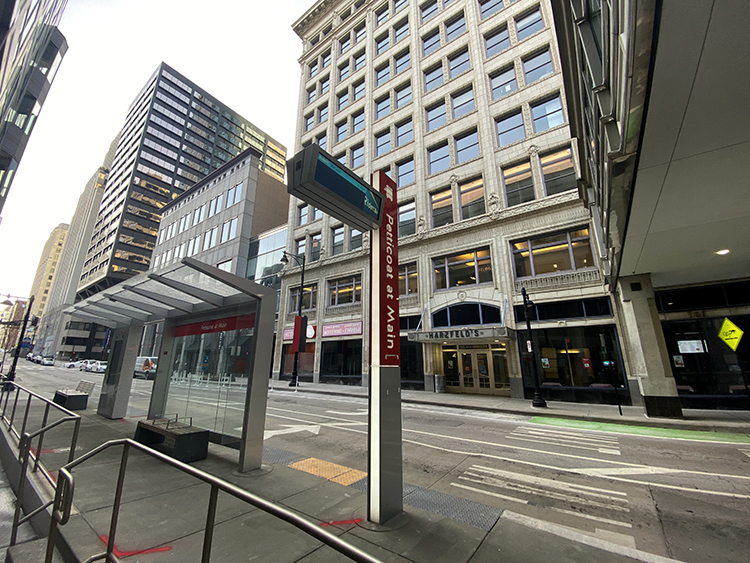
<point>74,399</point>
<point>190,443</point>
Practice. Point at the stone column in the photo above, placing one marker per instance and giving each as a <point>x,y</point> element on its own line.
<point>648,350</point>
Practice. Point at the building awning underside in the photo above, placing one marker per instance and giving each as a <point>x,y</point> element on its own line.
<point>185,288</point>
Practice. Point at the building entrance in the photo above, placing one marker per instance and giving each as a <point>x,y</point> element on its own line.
<point>478,368</point>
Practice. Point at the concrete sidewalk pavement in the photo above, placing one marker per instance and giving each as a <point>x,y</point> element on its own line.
<point>731,421</point>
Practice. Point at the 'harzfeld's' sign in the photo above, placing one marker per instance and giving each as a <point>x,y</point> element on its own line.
<point>459,334</point>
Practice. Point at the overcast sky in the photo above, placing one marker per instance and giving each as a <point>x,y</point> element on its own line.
<point>243,52</point>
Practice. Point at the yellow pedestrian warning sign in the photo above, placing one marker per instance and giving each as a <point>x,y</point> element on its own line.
<point>730,333</point>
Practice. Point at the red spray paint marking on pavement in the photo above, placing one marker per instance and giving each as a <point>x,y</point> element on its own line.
<point>342,522</point>
<point>118,553</point>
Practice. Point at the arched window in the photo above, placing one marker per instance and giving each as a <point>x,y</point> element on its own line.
<point>465,314</point>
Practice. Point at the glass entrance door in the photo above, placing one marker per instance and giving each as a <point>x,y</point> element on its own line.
<point>476,369</point>
<point>476,372</point>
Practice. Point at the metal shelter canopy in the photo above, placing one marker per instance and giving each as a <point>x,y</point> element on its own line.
<point>184,288</point>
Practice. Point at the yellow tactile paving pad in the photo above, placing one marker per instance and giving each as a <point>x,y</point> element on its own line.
<point>331,471</point>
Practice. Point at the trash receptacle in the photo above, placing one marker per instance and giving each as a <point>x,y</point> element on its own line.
<point>439,383</point>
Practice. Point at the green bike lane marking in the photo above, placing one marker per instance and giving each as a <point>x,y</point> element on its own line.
<point>651,431</point>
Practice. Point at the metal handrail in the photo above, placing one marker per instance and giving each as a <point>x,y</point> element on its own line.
<point>63,503</point>
<point>24,444</point>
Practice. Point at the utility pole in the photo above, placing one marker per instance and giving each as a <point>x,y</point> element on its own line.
<point>12,373</point>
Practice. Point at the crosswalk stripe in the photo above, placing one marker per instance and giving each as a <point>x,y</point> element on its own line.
<point>588,436</point>
<point>558,443</point>
<point>582,439</point>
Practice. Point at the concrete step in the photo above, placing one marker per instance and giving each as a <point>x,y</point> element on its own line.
<point>33,551</point>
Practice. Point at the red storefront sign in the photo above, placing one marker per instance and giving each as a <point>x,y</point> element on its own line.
<point>217,325</point>
<point>288,333</point>
<point>384,261</point>
<point>342,329</point>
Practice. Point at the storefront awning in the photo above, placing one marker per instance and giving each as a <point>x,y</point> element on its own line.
<point>187,287</point>
<point>465,335</point>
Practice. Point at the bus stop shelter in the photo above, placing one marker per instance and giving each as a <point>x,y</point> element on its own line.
<point>215,354</point>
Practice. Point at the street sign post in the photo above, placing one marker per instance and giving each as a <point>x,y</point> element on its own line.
<point>319,179</point>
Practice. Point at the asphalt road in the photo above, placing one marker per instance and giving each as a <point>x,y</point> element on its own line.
<point>683,499</point>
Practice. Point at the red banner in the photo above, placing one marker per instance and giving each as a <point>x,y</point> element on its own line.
<point>385,303</point>
<point>216,325</point>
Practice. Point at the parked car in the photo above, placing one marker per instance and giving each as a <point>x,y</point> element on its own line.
<point>29,356</point>
<point>37,358</point>
<point>48,361</point>
<point>145,367</point>
<point>98,367</point>
<point>84,365</point>
<point>73,364</point>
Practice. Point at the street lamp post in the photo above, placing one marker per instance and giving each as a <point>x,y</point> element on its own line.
<point>285,260</point>
<point>12,373</point>
<point>537,401</point>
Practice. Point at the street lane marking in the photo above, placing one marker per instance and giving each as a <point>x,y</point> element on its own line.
<point>745,451</point>
<point>645,470</point>
<point>568,435</point>
<point>592,541</point>
<point>602,444</point>
<point>293,428</point>
<point>360,412</point>
<point>566,445</point>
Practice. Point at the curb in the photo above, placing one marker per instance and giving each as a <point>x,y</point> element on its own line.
<point>673,424</point>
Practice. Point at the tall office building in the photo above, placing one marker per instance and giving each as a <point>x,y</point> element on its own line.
<point>175,134</point>
<point>462,104</point>
<point>32,49</point>
<point>47,268</point>
<point>63,291</point>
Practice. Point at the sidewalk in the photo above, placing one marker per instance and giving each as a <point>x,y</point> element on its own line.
<point>693,419</point>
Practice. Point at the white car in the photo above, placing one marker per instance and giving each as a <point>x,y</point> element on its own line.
<point>85,364</point>
<point>74,364</point>
<point>48,361</point>
<point>98,367</point>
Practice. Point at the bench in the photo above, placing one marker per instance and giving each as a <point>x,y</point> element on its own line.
<point>190,442</point>
<point>74,399</point>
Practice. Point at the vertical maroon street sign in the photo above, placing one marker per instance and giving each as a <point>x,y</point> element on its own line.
<point>384,314</point>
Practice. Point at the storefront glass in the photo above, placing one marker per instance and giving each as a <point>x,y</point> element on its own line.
<point>341,362</point>
<point>306,362</point>
<point>475,368</point>
<point>210,372</point>
<point>708,373</point>
<point>412,370</point>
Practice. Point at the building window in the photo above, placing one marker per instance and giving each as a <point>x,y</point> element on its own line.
<point>431,42</point>
<point>313,69</point>
<point>455,27</point>
<point>558,172</point>
<point>309,121</point>
<point>433,78</point>
<point>345,44</point>
<point>322,113</point>
<point>405,172</point>
<point>510,129</point>
<point>309,298</point>
<point>382,43</point>
<point>382,143</point>
<point>462,103</point>
<point>529,24</point>
<point>519,185</point>
<point>359,60</point>
<point>436,116</point>
<point>467,146</point>
<point>358,121</point>
<point>398,5</point>
<point>343,100</point>
<point>547,114</point>
<point>459,63</point>
<point>358,155</point>
<point>299,247</point>
<point>234,195</point>
<point>381,15</point>
<point>553,253</point>
<point>472,198</point>
<point>465,268</point>
<point>407,219</point>
<point>503,83</point>
<point>404,133</point>
<point>341,158</point>
<point>489,7</point>
<point>359,32</point>
<point>537,67</point>
<point>403,95</point>
<point>337,240</point>
<point>402,62</point>
<point>326,59</point>
<point>324,85</point>
<point>382,107</point>
<point>315,245</point>
<point>439,158</point>
<point>341,131</point>
<point>382,74</point>
<point>442,208</point>
<point>311,94</point>
<point>229,230</point>
<point>302,215</point>
<point>358,90</point>
<point>400,30</point>
<point>344,72</point>
<point>355,240</point>
<point>322,140</point>
<point>344,291</point>
<point>407,279</point>
<point>429,10</point>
